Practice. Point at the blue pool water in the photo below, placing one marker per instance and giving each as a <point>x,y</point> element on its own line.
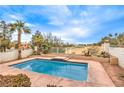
<point>74,71</point>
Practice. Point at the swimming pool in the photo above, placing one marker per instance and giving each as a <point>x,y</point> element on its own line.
<point>74,71</point>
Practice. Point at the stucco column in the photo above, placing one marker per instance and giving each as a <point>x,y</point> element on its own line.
<point>106,47</point>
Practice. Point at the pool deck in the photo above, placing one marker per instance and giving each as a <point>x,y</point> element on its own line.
<point>97,76</point>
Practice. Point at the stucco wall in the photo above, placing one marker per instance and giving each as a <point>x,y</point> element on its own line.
<point>119,53</point>
<point>26,53</point>
<point>115,51</point>
<point>13,55</point>
<point>8,56</point>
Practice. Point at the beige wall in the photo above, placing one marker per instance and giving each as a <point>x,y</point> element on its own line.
<point>8,56</point>
<point>115,51</point>
<point>13,55</point>
<point>26,53</point>
<point>119,53</point>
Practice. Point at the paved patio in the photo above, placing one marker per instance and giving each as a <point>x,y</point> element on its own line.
<point>97,77</point>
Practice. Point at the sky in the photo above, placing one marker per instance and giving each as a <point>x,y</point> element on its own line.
<point>74,24</point>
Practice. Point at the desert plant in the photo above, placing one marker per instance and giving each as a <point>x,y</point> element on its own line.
<point>19,80</point>
<point>45,48</point>
<point>87,53</point>
<point>105,54</point>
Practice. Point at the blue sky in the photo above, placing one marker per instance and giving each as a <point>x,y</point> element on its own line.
<point>75,24</point>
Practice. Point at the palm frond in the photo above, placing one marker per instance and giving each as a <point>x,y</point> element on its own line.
<point>12,27</point>
<point>26,29</point>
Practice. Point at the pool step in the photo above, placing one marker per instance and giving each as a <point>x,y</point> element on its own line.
<point>60,58</point>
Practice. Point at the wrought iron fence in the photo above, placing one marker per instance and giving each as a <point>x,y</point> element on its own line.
<point>57,50</point>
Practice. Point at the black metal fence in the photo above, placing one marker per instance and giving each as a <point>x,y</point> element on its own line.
<point>57,50</point>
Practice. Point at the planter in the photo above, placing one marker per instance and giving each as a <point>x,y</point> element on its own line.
<point>113,60</point>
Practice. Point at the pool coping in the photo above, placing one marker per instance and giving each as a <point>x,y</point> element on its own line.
<point>92,79</point>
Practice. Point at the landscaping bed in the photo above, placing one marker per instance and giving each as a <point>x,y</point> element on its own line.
<point>115,72</point>
<point>19,80</point>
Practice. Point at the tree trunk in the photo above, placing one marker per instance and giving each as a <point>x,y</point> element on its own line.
<point>19,44</point>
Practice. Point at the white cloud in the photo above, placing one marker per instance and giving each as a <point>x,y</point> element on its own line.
<point>30,25</point>
<point>71,24</point>
<point>104,13</point>
<point>71,28</point>
<point>58,15</point>
<point>56,21</point>
<point>72,33</point>
<point>16,17</point>
<point>24,37</point>
<point>75,22</point>
<point>84,13</point>
<point>11,18</point>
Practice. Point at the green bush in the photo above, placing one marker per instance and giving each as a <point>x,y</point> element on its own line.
<point>19,80</point>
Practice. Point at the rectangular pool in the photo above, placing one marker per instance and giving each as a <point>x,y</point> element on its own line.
<point>74,71</point>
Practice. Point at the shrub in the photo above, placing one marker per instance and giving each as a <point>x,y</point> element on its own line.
<point>105,55</point>
<point>45,48</point>
<point>87,53</point>
<point>45,51</point>
<point>34,53</point>
<point>19,80</point>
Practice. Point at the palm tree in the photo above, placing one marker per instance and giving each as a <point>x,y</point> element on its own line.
<point>116,34</point>
<point>110,35</point>
<point>105,39</point>
<point>121,38</point>
<point>20,27</point>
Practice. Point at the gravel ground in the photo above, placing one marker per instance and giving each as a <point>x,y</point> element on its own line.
<point>114,72</point>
